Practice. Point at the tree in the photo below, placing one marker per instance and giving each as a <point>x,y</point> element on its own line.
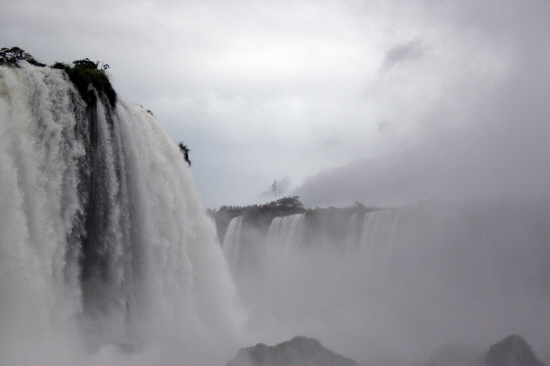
<point>290,203</point>
<point>14,54</point>
<point>86,72</point>
<point>185,151</point>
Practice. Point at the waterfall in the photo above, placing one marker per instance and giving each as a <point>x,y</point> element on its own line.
<point>232,243</point>
<point>353,234</point>
<point>405,280</point>
<point>375,239</point>
<point>284,238</point>
<point>103,239</point>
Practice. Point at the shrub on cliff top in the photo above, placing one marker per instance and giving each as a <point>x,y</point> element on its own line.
<point>14,54</point>
<point>84,73</point>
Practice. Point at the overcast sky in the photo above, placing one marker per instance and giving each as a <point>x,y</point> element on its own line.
<point>383,102</point>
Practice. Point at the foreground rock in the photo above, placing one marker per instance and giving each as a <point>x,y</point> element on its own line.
<point>512,351</point>
<point>300,351</point>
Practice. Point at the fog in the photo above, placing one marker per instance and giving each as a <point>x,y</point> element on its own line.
<point>400,283</point>
<point>464,257</point>
<point>501,153</point>
<point>482,139</point>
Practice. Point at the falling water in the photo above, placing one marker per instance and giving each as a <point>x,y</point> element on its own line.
<point>283,240</point>
<point>106,254</point>
<point>232,241</point>
<point>404,281</point>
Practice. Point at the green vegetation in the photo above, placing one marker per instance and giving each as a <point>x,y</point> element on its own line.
<point>82,73</point>
<point>184,150</point>
<point>85,73</point>
<point>14,54</point>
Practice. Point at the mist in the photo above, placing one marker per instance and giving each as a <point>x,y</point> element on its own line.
<point>483,138</point>
<point>462,255</point>
<point>398,284</point>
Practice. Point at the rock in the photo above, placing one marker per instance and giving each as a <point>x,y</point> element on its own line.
<point>512,351</point>
<point>300,351</point>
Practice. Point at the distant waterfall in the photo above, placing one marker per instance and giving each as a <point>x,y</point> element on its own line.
<point>283,240</point>
<point>232,243</point>
<point>410,278</point>
<point>376,236</point>
<point>103,240</point>
<point>490,245</point>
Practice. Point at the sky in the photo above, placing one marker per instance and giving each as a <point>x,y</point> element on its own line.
<point>383,102</point>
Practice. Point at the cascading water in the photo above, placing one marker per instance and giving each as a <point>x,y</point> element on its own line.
<point>283,240</point>
<point>398,283</point>
<point>106,254</point>
<point>231,243</point>
<point>376,236</point>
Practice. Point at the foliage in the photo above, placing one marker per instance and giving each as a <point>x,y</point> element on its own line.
<point>14,54</point>
<point>185,151</point>
<point>82,73</point>
<point>289,203</point>
<point>85,73</point>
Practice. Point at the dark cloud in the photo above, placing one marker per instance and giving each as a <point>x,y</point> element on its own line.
<point>403,53</point>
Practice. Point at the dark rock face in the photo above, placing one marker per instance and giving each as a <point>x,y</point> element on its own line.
<point>511,351</point>
<point>300,351</point>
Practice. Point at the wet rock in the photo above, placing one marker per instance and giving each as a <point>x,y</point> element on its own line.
<point>300,351</point>
<point>512,351</point>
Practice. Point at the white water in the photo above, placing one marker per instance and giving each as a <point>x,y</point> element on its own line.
<point>282,246</point>
<point>108,259</point>
<point>231,243</point>
<point>409,280</point>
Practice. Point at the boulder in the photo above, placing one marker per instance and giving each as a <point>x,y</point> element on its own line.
<point>512,351</point>
<point>299,351</point>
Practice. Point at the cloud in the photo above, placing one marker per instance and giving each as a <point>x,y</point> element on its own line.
<point>403,53</point>
<point>263,89</point>
<point>495,146</point>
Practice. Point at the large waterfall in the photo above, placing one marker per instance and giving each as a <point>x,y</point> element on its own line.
<point>106,253</point>
<point>107,256</point>
<point>399,282</point>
